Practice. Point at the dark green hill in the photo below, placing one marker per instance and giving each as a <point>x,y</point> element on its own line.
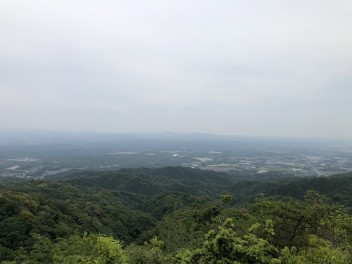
<point>155,181</point>
<point>58,210</point>
<point>337,188</point>
<point>177,204</point>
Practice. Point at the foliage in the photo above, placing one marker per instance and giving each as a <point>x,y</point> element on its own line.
<point>57,210</point>
<point>319,251</point>
<point>150,252</point>
<point>89,249</point>
<point>106,217</point>
<point>224,245</point>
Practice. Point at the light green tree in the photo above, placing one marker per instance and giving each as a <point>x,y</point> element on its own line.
<point>224,245</point>
<point>90,249</point>
<point>150,253</point>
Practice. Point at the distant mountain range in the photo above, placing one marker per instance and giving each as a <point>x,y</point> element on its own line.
<point>42,137</point>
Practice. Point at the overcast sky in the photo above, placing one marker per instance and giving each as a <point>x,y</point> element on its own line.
<point>265,68</point>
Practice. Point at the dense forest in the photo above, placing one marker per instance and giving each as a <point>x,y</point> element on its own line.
<point>176,215</point>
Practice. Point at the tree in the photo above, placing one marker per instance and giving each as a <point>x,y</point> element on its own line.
<point>150,252</point>
<point>224,245</point>
<point>319,251</point>
<point>226,198</point>
<point>88,249</point>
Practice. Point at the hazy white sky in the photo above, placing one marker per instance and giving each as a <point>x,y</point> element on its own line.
<point>269,68</point>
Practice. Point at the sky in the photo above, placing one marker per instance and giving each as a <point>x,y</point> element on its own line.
<point>253,68</point>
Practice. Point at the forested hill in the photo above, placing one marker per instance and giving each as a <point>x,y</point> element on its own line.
<point>337,188</point>
<point>175,215</point>
<point>156,181</point>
